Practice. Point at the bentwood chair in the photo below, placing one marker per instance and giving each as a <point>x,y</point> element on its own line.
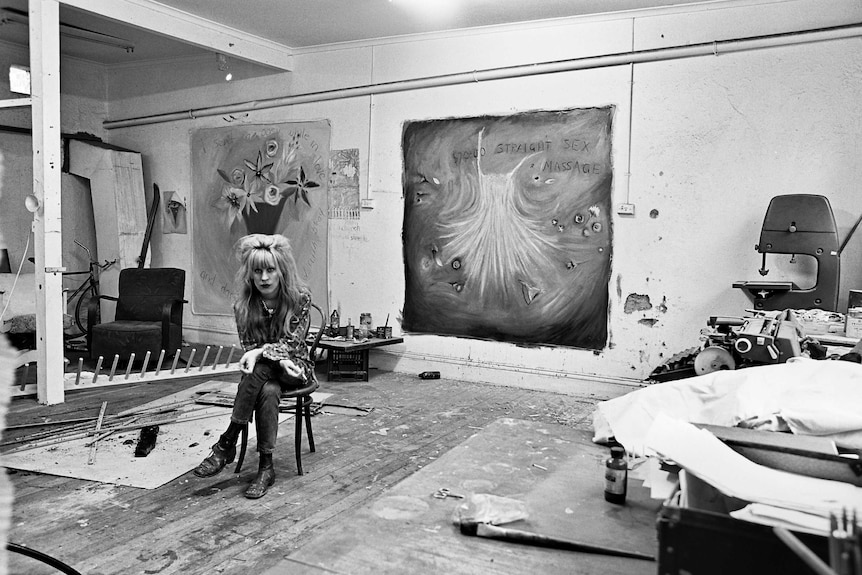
<point>301,398</point>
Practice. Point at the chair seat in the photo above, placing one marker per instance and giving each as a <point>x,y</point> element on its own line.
<point>300,391</point>
<point>140,336</point>
<point>119,327</point>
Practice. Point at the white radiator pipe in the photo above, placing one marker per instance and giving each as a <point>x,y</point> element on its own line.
<point>633,57</point>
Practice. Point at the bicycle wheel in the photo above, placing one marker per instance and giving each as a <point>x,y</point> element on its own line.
<point>81,311</point>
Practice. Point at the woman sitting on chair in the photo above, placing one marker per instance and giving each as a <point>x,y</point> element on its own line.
<point>272,320</point>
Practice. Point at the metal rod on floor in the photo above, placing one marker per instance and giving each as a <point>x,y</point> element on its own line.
<point>92,459</point>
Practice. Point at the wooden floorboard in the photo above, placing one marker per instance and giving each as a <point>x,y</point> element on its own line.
<point>201,526</point>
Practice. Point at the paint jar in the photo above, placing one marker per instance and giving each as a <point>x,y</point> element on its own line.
<point>348,332</point>
<point>616,476</point>
<point>364,329</point>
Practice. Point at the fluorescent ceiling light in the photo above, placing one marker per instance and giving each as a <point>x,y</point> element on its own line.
<point>432,10</point>
<point>10,16</point>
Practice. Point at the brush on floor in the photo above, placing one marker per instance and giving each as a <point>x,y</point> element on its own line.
<point>481,514</point>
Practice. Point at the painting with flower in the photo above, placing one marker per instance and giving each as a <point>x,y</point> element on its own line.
<point>262,179</point>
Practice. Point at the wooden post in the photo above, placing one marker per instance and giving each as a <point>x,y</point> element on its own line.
<point>45,79</point>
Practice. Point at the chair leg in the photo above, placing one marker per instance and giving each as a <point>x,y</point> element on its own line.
<point>243,445</point>
<point>298,438</point>
<point>307,410</point>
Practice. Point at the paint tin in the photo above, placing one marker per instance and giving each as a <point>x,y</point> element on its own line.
<point>853,323</point>
<point>384,332</point>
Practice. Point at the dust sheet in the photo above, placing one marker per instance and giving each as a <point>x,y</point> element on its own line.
<point>804,396</point>
<point>179,448</point>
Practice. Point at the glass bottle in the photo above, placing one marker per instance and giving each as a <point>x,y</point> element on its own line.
<point>334,323</point>
<point>616,476</point>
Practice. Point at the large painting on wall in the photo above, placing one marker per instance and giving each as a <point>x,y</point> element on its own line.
<point>507,231</point>
<point>257,179</point>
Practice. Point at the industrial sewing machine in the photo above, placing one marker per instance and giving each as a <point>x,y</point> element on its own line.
<point>798,224</point>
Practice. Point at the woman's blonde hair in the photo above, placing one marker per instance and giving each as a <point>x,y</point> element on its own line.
<point>255,251</point>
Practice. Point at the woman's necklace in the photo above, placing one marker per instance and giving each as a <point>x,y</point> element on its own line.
<point>270,311</point>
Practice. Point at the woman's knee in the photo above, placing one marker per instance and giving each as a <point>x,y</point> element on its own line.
<point>270,392</point>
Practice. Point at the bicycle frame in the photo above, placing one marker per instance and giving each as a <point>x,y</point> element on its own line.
<point>88,290</point>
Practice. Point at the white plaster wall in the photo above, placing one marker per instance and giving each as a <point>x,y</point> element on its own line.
<point>83,108</point>
<point>721,138</point>
<point>711,140</point>
<point>167,155</point>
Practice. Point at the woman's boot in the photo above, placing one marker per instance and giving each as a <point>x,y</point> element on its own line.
<point>264,480</point>
<point>223,452</point>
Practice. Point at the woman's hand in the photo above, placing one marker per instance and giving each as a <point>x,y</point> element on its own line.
<point>290,368</point>
<point>249,359</point>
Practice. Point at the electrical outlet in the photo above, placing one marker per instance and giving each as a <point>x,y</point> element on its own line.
<point>626,209</point>
<point>366,203</point>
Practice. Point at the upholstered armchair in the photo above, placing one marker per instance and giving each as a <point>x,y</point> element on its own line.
<point>149,315</point>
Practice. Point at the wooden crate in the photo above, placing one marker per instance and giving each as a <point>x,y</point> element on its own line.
<point>347,365</point>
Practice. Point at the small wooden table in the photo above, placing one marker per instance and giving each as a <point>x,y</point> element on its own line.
<point>349,359</point>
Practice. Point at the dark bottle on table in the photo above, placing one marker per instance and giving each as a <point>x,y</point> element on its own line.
<point>334,323</point>
<point>616,476</point>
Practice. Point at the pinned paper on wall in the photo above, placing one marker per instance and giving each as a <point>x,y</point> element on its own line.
<point>265,179</point>
<point>344,184</point>
<point>507,229</point>
<point>173,214</point>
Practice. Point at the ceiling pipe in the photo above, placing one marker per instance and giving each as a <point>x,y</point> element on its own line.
<point>633,57</point>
